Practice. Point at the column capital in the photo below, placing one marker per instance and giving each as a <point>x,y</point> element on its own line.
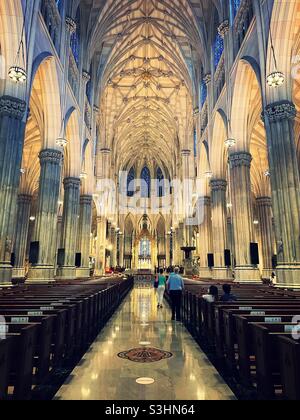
<point>186,152</point>
<point>240,159</point>
<point>223,28</point>
<point>50,155</point>
<point>71,25</point>
<point>71,182</point>
<point>279,111</point>
<point>207,79</point>
<point>86,76</point>
<point>105,151</point>
<point>218,184</point>
<point>24,198</point>
<point>12,107</point>
<point>264,201</point>
<point>86,199</point>
<point>96,110</point>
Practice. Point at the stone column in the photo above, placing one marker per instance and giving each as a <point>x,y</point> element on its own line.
<point>284,168</point>
<point>69,228</point>
<point>264,207</point>
<point>46,218</point>
<point>219,229</point>
<point>205,237</point>
<point>240,165</point>
<point>180,243</point>
<point>175,247</point>
<point>84,235</point>
<point>113,252</point>
<point>100,246</point>
<point>22,226</point>
<point>168,250</point>
<point>121,249</point>
<point>12,128</point>
<point>187,195</point>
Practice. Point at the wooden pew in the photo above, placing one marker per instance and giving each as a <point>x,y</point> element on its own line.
<point>245,342</point>
<point>22,359</point>
<point>50,322</point>
<point>289,354</point>
<point>265,337</point>
<point>5,360</point>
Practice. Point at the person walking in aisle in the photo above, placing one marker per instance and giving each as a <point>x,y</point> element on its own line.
<point>161,288</point>
<point>176,287</point>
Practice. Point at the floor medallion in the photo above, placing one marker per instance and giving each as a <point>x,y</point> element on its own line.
<point>145,355</point>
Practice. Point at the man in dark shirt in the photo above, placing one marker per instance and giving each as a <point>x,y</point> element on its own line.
<point>227,297</point>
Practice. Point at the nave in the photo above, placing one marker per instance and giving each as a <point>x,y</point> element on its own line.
<point>102,375</point>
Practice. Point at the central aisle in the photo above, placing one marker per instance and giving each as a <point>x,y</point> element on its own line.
<point>103,375</point>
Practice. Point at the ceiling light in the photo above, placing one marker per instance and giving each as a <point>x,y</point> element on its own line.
<point>61,142</point>
<point>17,74</point>
<point>276,79</point>
<point>83,175</point>
<point>208,174</point>
<point>229,143</point>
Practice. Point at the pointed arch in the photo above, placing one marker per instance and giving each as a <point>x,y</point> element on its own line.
<point>246,97</point>
<point>218,148</point>
<point>73,156</point>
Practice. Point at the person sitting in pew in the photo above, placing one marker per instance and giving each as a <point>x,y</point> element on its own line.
<point>227,296</point>
<point>213,295</point>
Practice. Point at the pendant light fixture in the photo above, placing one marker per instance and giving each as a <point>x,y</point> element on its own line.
<point>276,78</point>
<point>17,72</point>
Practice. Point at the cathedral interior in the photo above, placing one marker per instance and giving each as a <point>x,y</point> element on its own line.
<point>145,134</point>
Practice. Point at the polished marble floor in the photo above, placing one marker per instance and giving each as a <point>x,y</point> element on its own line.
<point>102,375</point>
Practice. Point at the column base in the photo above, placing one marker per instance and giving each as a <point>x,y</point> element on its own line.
<point>66,273</point>
<point>247,274</point>
<point>205,273</point>
<point>222,274</point>
<point>18,273</point>
<point>288,276</point>
<point>41,275</point>
<point>266,273</point>
<point>99,272</point>
<point>83,273</point>
<point>5,274</point>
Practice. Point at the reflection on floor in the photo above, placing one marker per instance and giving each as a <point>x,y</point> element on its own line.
<point>102,375</point>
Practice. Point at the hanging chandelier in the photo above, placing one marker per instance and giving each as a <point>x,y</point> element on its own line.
<point>61,142</point>
<point>229,143</point>
<point>276,78</point>
<point>83,175</point>
<point>16,72</point>
<point>208,174</point>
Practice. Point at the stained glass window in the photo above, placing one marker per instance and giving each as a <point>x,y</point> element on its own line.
<point>203,92</point>
<point>146,183</point>
<point>218,49</point>
<point>195,142</point>
<point>59,5</point>
<point>234,7</point>
<point>75,39</point>
<point>130,183</point>
<point>160,183</point>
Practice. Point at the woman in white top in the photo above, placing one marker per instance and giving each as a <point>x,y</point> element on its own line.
<point>213,295</point>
